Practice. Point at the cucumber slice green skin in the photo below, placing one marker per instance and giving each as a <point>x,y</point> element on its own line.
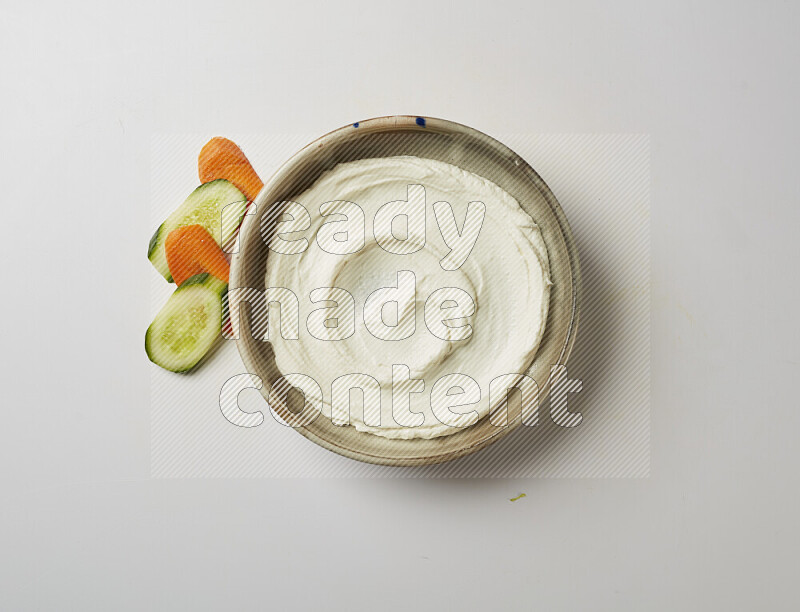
<point>158,255</point>
<point>188,324</point>
<point>204,206</point>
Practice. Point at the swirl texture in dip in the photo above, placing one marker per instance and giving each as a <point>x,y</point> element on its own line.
<point>506,274</point>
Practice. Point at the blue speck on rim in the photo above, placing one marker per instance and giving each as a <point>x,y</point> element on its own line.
<point>355,124</point>
<point>421,121</point>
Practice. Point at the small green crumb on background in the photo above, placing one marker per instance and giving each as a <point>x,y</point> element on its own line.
<point>520,496</point>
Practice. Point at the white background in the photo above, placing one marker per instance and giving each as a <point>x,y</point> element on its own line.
<point>82,527</point>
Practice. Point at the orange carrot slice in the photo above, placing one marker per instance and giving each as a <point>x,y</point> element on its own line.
<point>221,158</point>
<point>191,250</point>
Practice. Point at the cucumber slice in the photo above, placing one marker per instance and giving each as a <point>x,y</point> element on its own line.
<point>188,324</point>
<point>204,206</point>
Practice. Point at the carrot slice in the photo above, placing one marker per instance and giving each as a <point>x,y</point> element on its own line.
<point>191,250</point>
<point>221,158</point>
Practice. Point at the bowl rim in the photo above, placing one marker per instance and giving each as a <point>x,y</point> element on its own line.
<point>418,122</point>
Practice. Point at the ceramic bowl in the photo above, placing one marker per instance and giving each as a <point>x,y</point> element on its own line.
<point>455,144</point>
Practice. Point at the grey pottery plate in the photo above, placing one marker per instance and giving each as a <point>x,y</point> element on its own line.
<point>435,139</point>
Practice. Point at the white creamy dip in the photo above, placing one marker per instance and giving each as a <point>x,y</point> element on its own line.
<point>503,299</point>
